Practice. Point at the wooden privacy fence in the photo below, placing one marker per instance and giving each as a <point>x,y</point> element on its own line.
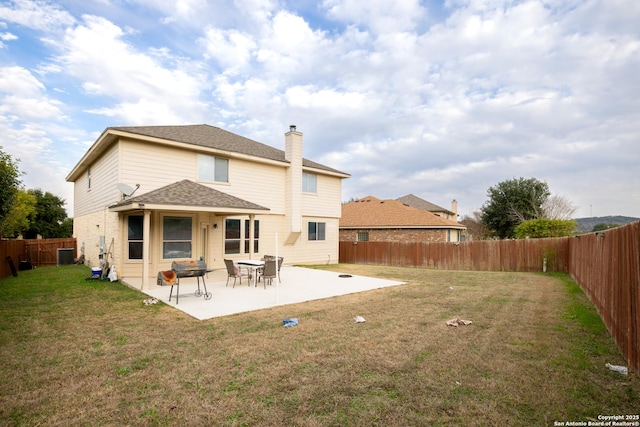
<point>483,255</point>
<point>606,265</point>
<point>40,252</point>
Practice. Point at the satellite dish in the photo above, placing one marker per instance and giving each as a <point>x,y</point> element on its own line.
<point>126,190</point>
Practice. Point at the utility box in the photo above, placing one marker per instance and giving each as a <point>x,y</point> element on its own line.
<point>65,256</point>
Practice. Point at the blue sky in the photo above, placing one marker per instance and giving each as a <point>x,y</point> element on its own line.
<point>439,99</point>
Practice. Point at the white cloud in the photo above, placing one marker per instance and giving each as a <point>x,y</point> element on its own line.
<point>98,55</point>
<point>141,113</point>
<point>231,49</point>
<point>442,101</point>
<point>22,96</point>
<point>381,16</point>
<point>328,99</point>
<point>7,37</point>
<point>18,80</point>
<point>36,14</point>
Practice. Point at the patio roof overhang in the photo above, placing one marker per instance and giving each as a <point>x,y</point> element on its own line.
<point>188,196</point>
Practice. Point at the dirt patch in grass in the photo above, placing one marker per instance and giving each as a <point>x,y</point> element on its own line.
<point>79,352</point>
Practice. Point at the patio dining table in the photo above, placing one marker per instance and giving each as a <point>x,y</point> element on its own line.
<point>253,265</point>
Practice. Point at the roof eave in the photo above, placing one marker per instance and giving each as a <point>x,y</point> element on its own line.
<point>98,147</point>
<point>381,227</point>
<point>337,174</point>
<point>136,206</point>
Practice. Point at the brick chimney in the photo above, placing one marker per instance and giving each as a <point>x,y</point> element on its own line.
<point>293,154</point>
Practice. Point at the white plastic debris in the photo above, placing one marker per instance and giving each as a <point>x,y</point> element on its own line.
<point>113,276</point>
<point>621,369</point>
<point>359,319</point>
<point>456,322</point>
<point>150,301</point>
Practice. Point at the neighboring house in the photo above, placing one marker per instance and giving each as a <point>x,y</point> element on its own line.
<point>146,196</point>
<point>374,220</point>
<point>418,203</point>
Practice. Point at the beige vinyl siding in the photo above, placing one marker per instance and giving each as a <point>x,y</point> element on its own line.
<point>318,252</point>
<point>258,183</point>
<point>103,192</point>
<point>326,202</point>
<point>154,166</point>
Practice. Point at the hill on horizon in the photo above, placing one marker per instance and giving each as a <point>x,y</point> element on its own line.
<point>587,224</point>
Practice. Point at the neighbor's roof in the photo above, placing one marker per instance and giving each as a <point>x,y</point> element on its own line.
<point>187,194</point>
<point>418,203</point>
<point>203,135</point>
<point>371,212</point>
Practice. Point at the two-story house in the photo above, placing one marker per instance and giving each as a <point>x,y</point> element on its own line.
<point>146,196</point>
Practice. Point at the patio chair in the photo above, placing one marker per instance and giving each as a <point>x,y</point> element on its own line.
<point>269,271</point>
<point>280,260</point>
<point>235,272</point>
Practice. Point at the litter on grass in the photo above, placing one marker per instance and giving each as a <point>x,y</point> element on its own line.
<point>621,369</point>
<point>359,319</point>
<point>290,321</point>
<point>150,301</point>
<point>456,322</point>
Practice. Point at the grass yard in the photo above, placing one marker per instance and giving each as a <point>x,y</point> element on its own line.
<point>90,353</point>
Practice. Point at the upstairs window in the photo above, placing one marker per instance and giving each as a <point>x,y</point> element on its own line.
<point>213,169</point>
<point>309,183</point>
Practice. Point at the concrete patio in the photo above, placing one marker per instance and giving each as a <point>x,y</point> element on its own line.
<point>298,285</point>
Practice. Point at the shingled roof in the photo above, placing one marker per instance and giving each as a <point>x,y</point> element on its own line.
<point>213,137</point>
<point>418,203</point>
<point>189,193</point>
<point>371,212</point>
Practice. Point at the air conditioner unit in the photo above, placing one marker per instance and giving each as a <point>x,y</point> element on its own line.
<point>65,256</point>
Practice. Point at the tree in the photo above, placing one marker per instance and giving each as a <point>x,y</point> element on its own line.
<point>545,227</point>
<point>475,227</point>
<point>9,184</point>
<point>49,219</point>
<point>17,220</point>
<point>512,202</point>
<point>558,207</point>
<point>604,226</point>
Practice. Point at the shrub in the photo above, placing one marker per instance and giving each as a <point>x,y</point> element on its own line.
<point>536,228</point>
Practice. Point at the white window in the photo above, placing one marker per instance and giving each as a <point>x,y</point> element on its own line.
<point>316,231</point>
<point>89,178</point>
<point>176,237</point>
<point>309,183</point>
<point>212,168</point>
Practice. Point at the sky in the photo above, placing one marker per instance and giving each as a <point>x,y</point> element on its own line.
<point>440,99</point>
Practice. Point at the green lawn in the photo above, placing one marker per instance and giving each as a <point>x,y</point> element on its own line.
<point>87,352</point>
